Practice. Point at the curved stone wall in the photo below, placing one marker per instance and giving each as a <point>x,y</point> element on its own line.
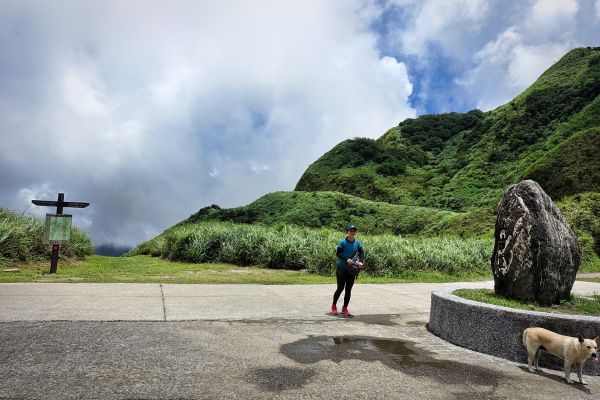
<point>498,331</point>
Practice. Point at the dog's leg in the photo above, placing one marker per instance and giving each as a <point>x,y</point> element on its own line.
<point>580,374</point>
<point>568,371</point>
<point>530,358</point>
<point>537,360</point>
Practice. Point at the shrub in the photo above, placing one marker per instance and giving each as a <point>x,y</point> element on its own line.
<point>291,247</point>
<point>21,240</point>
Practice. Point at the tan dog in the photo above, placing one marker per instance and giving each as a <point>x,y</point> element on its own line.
<point>570,349</point>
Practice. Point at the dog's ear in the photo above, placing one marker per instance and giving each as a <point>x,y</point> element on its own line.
<point>596,339</point>
<point>580,338</point>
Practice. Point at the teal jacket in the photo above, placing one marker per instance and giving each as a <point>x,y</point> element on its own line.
<point>346,249</point>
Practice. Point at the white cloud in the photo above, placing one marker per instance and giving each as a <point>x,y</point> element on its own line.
<point>490,49</point>
<point>258,168</point>
<point>517,56</point>
<point>529,62</point>
<point>446,24</point>
<point>213,173</point>
<point>152,110</point>
<point>506,66</point>
<point>551,18</point>
<point>43,191</point>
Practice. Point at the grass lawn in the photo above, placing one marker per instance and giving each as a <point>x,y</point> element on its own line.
<point>151,269</point>
<point>589,305</point>
<point>590,266</point>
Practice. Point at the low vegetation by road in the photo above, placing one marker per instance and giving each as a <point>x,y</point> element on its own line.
<point>147,269</point>
<point>21,240</point>
<point>291,247</point>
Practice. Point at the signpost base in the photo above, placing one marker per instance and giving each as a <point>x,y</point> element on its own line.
<point>54,259</point>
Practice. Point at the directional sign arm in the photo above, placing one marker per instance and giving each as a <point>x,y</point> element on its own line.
<point>45,203</point>
<point>49,203</point>
<point>75,204</point>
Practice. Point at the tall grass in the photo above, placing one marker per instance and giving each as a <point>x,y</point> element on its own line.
<point>293,247</point>
<point>21,240</point>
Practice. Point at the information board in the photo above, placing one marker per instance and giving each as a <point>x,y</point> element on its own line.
<point>57,229</point>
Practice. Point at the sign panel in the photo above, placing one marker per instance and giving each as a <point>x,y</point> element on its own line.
<point>57,229</point>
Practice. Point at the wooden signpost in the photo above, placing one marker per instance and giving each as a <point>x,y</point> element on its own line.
<point>57,230</point>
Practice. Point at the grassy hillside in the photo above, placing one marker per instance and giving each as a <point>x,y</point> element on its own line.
<point>571,167</point>
<point>336,210</point>
<point>461,162</point>
<point>21,240</point>
<point>328,209</point>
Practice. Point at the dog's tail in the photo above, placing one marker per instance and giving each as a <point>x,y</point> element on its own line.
<point>525,337</point>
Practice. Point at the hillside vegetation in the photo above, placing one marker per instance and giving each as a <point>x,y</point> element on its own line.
<point>461,162</point>
<point>290,247</point>
<point>329,209</point>
<point>21,240</point>
<point>335,210</point>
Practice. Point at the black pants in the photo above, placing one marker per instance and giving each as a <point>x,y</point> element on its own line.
<point>344,279</point>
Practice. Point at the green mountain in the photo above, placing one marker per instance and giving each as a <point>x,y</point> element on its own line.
<point>464,161</point>
<point>336,210</point>
<point>329,209</point>
<point>444,174</point>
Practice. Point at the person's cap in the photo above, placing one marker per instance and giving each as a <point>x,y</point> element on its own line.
<point>351,228</point>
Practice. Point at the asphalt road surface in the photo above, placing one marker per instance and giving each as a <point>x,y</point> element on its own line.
<point>384,352</point>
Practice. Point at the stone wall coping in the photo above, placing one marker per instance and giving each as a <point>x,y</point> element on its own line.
<point>447,293</point>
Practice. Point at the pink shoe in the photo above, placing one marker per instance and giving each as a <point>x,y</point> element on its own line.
<point>334,309</point>
<point>346,312</point>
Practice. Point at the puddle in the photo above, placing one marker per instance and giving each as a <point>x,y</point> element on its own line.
<point>280,378</point>
<point>401,355</point>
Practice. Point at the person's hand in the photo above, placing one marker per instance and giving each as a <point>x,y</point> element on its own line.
<point>360,264</point>
<point>349,261</point>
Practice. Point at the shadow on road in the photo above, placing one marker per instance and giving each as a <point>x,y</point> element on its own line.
<point>381,319</point>
<point>560,379</point>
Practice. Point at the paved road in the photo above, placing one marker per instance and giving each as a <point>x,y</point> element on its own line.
<point>60,341</point>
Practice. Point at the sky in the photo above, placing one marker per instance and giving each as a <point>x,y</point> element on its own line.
<point>150,110</point>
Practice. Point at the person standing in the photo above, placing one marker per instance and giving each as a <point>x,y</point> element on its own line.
<point>347,249</point>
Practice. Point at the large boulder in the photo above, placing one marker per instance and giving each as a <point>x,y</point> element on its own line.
<point>536,255</point>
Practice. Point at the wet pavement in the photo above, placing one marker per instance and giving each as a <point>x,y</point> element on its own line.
<point>120,341</point>
<point>366,357</point>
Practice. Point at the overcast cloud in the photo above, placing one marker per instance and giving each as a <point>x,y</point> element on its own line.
<point>151,110</point>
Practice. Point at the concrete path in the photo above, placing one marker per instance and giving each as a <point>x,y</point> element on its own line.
<point>168,302</point>
<point>152,341</point>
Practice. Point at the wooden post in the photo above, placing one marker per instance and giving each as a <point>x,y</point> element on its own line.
<point>54,259</point>
<point>56,247</point>
<point>59,204</point>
